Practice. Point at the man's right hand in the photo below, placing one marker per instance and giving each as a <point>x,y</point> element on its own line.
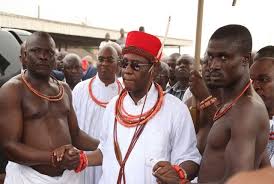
<point>67,157</point>
<point>197,86</point>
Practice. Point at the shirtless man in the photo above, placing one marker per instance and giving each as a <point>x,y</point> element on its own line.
<point>239,135</point>
<point>37,117</point>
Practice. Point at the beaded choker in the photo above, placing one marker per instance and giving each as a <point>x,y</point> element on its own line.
<point>54,98</point>
<point>129,120</point>
<point>98,102</point>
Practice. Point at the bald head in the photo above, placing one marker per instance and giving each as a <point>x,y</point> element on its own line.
<point>71,58</point>
<point>42,37</point>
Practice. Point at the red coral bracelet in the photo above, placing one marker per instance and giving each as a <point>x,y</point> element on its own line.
<point>83,162</point>
<point>181,173</point>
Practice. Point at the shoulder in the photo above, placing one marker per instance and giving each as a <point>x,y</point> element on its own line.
<point>252,105</point>
<point>12,89</point>
<point>251,113</point>
<point>260,176</point>
<point>66,86</point>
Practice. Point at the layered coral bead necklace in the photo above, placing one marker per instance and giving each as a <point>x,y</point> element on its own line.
<point>92,96</point>
<point>219,113</point>
<point>53,98</point>
<point>130,121</point>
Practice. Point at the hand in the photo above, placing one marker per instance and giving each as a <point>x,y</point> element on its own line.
<point>197,86</point>
<point>58,153</point>
<point>165,173</point>
<point>71,159</point>
<point>67,157</point>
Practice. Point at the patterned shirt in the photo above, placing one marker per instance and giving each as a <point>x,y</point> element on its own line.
<point>176,90</point>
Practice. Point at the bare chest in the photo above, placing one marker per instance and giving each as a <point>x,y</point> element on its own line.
<point>35,107</point>
<point>212,165</point>
<point>219,135</point>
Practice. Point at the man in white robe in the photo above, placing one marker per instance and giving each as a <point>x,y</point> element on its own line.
<point>90,98</point>
<point>168,137</point>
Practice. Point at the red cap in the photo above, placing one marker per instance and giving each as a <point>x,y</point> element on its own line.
<point>143,44</point>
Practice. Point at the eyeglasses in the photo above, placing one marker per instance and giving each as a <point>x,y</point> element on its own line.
<point>109,59</point>
<point>134,64</point>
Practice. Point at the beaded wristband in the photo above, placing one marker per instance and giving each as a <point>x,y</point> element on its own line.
<point>205,100</point>
<point>181,173</point>
<point>208,103</point>
<point>83,162</point>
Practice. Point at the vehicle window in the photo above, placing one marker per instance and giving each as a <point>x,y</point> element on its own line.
<point>9,56</point>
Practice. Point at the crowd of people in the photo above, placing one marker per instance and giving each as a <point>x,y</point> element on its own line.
<point>138,116</point>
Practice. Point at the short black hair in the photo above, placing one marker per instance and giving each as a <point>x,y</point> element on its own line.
<point>237,34</point>
<point>267,51</point>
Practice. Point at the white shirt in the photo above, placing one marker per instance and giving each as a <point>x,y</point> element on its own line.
<point>168,136</point>
<point>187,95</point>
<point>90,115</point>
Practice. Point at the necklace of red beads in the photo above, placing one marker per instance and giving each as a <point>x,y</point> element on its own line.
<point>98,102</point>
<point>130,121</point>
<point>54,98</point>
<point>219,113</point>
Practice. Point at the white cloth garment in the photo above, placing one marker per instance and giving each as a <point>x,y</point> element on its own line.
<point>90,115</point>
<point>187,95</point>
<point>20,174</point>
<point>168,136</point>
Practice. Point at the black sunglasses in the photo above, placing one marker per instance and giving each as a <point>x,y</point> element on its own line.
<point>134,64</point>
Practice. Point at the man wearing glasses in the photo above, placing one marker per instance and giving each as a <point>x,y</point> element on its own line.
<point>90,98</point>
<point>146,134</point>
